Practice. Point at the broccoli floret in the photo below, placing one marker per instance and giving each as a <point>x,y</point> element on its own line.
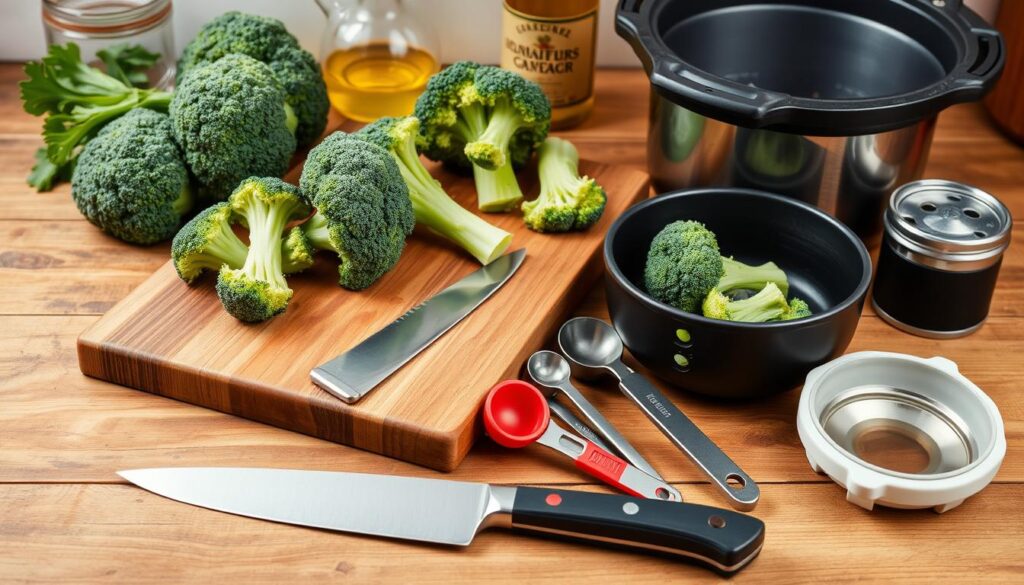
<point>363,209</point>
<point>257,291</point>
<point>487,116</point>
<point>267,40</point>
<point>767,305</point>
<point>131,179</point>
<point>431,205</point>
<point>207,243</point>
<point>296,251</point>
<point>798,309</point>
<point>740,276</point>
<point>231,119</point>
<point>683,265</point>
<point>567,201</point>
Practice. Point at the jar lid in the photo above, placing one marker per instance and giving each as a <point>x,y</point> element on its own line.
<point>99,17</point>
<point>948,222</point>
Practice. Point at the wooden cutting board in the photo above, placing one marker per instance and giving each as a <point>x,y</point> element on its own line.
<point>175,340</point>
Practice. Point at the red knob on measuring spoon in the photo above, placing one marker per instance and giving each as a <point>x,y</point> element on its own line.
<point>516,414</point>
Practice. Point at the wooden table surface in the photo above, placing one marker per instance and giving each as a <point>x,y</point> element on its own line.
<point>66,517</point>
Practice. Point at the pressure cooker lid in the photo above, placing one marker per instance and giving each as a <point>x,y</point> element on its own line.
<point>816,67</point>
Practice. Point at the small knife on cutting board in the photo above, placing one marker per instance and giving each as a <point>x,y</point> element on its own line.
<point>451,512</point>
<point>353,374</point>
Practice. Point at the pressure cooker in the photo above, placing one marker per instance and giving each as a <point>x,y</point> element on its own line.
<point>833,102</point>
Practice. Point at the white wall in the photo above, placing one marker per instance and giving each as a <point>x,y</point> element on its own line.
<point>468,28</point>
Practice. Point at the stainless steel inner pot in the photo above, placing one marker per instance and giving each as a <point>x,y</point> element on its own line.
<point>850,177</point>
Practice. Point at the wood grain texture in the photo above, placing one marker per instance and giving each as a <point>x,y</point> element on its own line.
<point>1004,102</point>
<point>56,426</point>
<point>75,534</point>
<point>177,341</point>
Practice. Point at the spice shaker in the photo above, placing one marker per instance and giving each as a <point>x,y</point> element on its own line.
<point>940,258</point>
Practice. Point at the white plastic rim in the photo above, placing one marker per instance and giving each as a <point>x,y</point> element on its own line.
<point>937,379</point>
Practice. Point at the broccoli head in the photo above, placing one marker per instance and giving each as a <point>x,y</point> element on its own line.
<point>257,291</point>
<point>487,116</point>
<point>296,251</point>
<point>767,305</point>
<point>431,205</point>
<point>567,201</point>
<point>231,119</point>
<point>267,40</point>
<point>798,309</point>
<point>207,242</point>
<point>131,179</point>
<point>363,209</point>
<point>740,276</point>
<point>683,265</point>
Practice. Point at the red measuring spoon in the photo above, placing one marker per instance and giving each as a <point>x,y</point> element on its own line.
<point>516,414</point>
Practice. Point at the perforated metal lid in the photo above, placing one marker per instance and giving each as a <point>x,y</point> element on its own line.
<point>948,224</point>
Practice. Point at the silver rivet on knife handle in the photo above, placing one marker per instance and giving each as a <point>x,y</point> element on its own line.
<point>353,374</point>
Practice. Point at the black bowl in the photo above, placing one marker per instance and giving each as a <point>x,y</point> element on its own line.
<point>827,266</point>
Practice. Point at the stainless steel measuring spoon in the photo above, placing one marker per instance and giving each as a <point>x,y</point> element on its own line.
<point>593,348</point>
<point>552,371</point>
<point>566,415</point>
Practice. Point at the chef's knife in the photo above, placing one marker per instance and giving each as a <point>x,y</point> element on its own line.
<point>451,512</point>
<point>352,375</point>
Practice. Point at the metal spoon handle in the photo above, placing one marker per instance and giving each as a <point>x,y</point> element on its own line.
<point>606,466</point>
<point>566,415</point>
<point>691,441</point>
<point>607,430</point>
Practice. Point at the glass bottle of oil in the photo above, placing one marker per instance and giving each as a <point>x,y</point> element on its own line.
<point>553,43</point>
<point>376,57</point>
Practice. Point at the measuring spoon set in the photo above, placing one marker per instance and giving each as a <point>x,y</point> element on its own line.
<point>517,414</point>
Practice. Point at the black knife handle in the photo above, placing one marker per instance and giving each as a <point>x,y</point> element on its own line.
<point>722,539</point>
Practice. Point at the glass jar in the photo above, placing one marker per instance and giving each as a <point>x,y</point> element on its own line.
<point>377,57</point>
<point>96,24</point>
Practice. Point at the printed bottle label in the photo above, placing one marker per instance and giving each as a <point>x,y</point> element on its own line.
<point>557,53</point>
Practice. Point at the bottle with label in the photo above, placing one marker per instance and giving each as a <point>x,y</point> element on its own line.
<point>552,43</point>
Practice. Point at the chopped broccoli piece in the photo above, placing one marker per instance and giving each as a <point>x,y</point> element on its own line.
<point>766,305</point>
<point>798,309</point>
<point>488,117</point>
<point>78,100</point>
<point>132,182</point>
<point>683,265</point>
<point>231,119</point>
<point>267,40</point>
<point>363,209</point>
<point>296,251</point>
<point>257,291</point>
<point>740,276</point>
<point>207,243</point>
<point>431,205</point>
<point>567,201</point>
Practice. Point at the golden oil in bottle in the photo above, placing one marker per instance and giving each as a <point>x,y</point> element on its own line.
<point>369,81</point>
<point>552,43</point>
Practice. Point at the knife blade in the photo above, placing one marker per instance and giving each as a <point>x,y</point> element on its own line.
<point>452,512</point>
<point>353,374</point>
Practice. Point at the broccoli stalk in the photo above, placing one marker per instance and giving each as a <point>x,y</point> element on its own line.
<point>431,205</point>
<point>258,290</point>
<point>567,201</point>
<point>78,100</point>
<point>488,117</point>
<point>740,276</point>
<point>767,305</point>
